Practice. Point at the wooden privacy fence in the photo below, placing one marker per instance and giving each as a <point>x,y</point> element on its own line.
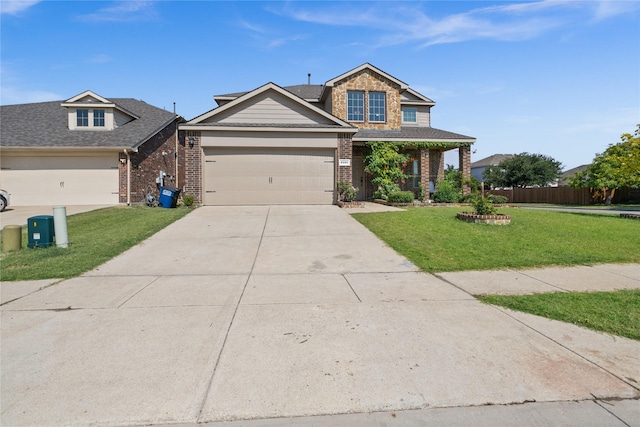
<point>564,195</point>
<point>557,195</point>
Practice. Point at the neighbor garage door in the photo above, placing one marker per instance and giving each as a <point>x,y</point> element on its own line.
<point>252,176</point>
<point>60,180</point>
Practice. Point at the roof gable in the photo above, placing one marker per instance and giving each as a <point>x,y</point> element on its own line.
<point>411,96</point>
<point>268,105</point>
<point>366,66</point>
<point>87,97</point>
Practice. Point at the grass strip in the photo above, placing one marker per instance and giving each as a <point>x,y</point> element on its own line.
<point>435,241</point>
<point>94,238</point>
<point>615,313</point>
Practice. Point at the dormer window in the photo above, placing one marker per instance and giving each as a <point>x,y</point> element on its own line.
<point>82,117</point>
<point>98,118</point>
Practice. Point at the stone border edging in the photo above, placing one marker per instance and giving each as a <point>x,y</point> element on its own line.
<point>497,219</point>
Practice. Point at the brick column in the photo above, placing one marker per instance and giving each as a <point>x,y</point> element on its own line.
<point>464,166</point>
<point>424,168</point>
<point>122,178</point>
<point>193,166</point>
<point>436,165</point>
<point>345,151</point>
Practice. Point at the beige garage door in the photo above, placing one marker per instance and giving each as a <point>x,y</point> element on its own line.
<point>63,180</point>
<point>268,176</point>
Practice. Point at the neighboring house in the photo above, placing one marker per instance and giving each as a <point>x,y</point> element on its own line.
<point>478,167</point>
<point>566,176</point>
<point>88,150</point>
<point>292,145</point>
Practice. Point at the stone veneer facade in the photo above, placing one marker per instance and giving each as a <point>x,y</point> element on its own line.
<point>368,81</point>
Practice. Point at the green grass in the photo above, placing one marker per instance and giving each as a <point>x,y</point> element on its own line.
<point>94,238</point>
<point>616,313</point>
<point>434,240</point>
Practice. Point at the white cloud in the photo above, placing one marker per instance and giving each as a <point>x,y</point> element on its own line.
<point>100,58</point>
<point>402,23</point>
<point>123,11</point>
<point>14,95</point>
<point>13,7</point>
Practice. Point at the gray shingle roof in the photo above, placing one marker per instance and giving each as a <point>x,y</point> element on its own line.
<point>303,91</point>
<point>45,124</point>
<point>491,160</point>
<point>411,133</point>
<point>270,125</point>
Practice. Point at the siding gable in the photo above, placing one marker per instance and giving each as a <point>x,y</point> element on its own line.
<point>269,108</point>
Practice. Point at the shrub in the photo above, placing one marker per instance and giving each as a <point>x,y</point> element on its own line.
<point>401,197</point>
<point>446,193</point>
<point>188,200</point>
<point>483,206</point>
<point>469,198</point>
<point>346,191</point>
<point>422,192</point>
<point>385,189</point>
<point>497,199</point>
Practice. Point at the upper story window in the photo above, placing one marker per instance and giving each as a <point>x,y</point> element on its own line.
<point>377,107</point>
<point>98,118</point>
<point>355,106</point>
<point>82,117</point>
<point>409,115</point>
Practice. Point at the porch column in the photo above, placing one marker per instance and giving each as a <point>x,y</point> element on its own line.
<point>345,152</point>
<point>464,166</point>
<point>424,168</point>
<point>436,158</point>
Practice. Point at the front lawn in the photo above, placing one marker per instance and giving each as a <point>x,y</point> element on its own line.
<point>616,313</point>
<point>435,241</point>
<point>94,238</point>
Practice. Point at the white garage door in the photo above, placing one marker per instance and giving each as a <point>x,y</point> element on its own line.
<point>255,176</point>
<point>65,180</point>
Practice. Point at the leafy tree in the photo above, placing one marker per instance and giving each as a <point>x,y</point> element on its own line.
<point>523,170</point>
<point>618,166</point>
<point>386,164</point>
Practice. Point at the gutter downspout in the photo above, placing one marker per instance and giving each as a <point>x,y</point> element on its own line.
<point>128,177</point>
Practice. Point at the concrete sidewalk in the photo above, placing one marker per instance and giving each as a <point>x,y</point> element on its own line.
<point>293,316</point>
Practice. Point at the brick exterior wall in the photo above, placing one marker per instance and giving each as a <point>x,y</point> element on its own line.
<point>345,151</point>
<point>368,81</point>
<point>157,154</point>
<point>464,158</point>
<point>193,164</point>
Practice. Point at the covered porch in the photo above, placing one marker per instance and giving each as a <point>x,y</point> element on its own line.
<point>425,148</point>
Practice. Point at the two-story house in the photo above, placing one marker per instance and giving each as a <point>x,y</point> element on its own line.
<point>291,145</point>
<point>88,150</point>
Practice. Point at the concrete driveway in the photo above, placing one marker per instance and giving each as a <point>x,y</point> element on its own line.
<point>236,313</point>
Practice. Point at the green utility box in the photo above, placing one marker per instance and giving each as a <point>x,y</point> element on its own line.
<point>41,231</point>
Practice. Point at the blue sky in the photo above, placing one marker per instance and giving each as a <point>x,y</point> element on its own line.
<point>560,78</point>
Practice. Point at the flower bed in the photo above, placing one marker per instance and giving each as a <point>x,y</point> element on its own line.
<point>497,219</point>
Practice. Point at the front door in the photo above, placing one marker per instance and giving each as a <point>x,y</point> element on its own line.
<point>359,178</point>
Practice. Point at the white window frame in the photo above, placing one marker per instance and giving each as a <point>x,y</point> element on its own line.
<point>413,110</point>
<point>99,120</point>
<point>373,109</point>
<point>82,121</point>
<point>357,116</point>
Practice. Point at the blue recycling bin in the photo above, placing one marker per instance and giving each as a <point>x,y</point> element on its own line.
<point>41,231</point>
<point>168,197</point>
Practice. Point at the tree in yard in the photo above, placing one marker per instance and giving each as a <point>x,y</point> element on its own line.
<point>618,166</point>
<point>386,163</point>
<point>523,170</point>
